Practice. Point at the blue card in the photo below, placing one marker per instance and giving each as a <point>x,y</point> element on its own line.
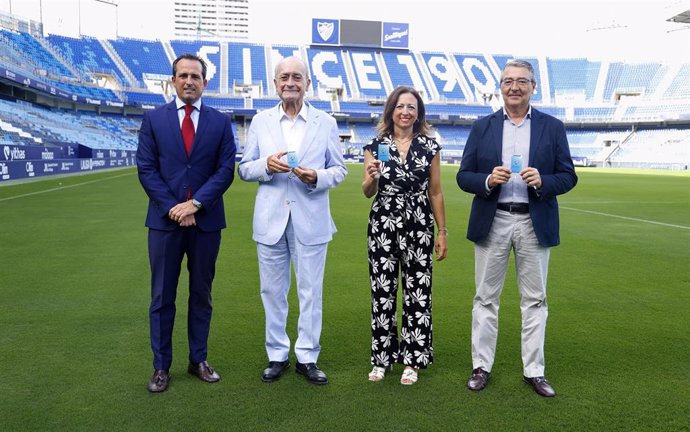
<point>292,159</point>
<point>384,152</point>
<point>516,164</point>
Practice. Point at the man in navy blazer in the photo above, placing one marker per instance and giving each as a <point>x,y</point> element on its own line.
<point>186,161</point>
<point>516,161</point>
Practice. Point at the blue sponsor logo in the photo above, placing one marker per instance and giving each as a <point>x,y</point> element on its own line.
<point>395,35</point>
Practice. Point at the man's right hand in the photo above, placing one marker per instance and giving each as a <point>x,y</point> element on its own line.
<point>275,165</point>
<point>500,175</point>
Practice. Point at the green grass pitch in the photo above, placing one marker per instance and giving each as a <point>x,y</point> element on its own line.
<point>74,293</point>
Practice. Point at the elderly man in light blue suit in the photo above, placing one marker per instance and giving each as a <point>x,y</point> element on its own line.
<point>293,151</point>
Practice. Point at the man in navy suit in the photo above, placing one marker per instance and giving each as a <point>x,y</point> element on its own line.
<point>516,161</point>
<point>186,161</point>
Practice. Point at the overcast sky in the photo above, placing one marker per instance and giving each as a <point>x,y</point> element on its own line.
<point>632,31</point>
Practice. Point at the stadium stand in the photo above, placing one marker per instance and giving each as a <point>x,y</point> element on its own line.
<point>142,57</point>
<point>679,88</point>
<point>90,93</point>
<point>33,53</point>
<point>653,149</point>
<point>34,125</point>
<point>87,55</point>
<point>573,79</point>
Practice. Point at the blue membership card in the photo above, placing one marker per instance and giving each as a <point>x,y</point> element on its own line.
<point>292,159</point>
<point>384,152</point>
<point>516,164</point>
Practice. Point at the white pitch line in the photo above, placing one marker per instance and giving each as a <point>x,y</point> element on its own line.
<point>627,218</point>
<point>62,187</point>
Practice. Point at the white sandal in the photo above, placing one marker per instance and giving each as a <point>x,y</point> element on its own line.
<point>409,376</point>
<point>377,373</point>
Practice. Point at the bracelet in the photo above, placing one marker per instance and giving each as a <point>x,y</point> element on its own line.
<point>443,230</point>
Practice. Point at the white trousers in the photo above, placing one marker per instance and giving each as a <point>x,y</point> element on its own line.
<point>274,273</point>
<point>510,231</point>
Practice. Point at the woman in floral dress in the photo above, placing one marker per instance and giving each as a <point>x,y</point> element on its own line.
<point>408,201</point>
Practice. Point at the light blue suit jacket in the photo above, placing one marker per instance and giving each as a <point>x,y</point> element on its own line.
<point>282,195</point>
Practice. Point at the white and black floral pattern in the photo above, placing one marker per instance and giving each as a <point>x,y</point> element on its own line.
<point>401,240</point>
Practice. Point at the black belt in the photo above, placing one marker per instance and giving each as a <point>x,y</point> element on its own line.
<point>514,207</point>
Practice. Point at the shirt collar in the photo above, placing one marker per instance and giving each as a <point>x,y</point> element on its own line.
<point>180,103</point>
<point>302,112</point>
<point>528,116</point>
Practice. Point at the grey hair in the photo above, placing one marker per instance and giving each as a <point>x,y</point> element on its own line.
<point>521,64</point>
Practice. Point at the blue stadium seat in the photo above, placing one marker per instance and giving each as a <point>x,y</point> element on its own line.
<point>255,74</point>
<point>34,53</point>
<point>327,70</point>
<point>86,54</point>
<point>444,76</point>
<point>142,56</point>
<point>567,76</point>
<point>631,78</point>
<point>404,71</point>
<point>367,74</point>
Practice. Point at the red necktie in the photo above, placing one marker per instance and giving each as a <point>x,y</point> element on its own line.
<point>188,128</point>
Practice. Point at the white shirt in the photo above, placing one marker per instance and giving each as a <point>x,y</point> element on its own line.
<point>194,115</point>
<point>294,129</point>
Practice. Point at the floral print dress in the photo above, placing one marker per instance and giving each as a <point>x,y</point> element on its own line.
<point>401,239</point>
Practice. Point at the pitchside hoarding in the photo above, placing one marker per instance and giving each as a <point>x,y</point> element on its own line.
<point>25,162</point>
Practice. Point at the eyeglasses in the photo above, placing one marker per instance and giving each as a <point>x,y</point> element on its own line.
<point>295,77</point>
<point>521,82</point>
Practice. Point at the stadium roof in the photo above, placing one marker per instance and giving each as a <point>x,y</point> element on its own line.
<point>683,17</point>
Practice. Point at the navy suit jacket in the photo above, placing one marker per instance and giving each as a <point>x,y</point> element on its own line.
<point>548,153</point>
<point>167,173</point>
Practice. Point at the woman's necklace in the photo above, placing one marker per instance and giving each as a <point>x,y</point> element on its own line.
<point>403,146</point>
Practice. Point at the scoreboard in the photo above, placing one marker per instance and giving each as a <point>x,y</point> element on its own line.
<point>364,34</point>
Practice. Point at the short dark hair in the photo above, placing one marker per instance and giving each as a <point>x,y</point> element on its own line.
<point>193,57</point>
<point>386,123</point>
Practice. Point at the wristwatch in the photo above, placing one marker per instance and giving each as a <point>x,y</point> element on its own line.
<point>196,204</point>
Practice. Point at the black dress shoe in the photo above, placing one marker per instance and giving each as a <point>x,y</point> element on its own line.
<point>541,386</point>
<point>204,372</point>
<point>159,381</point>
<point>478,380</point>
<point>274,370</point>
<point>312,372</point>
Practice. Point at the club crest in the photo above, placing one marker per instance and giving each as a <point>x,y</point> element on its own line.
<point>325,30</point>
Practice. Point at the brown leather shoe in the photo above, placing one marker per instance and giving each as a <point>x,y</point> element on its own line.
<point>204,372</point>
<point>159,381</point>
<point>478,380</point>
<point>541,386</point>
